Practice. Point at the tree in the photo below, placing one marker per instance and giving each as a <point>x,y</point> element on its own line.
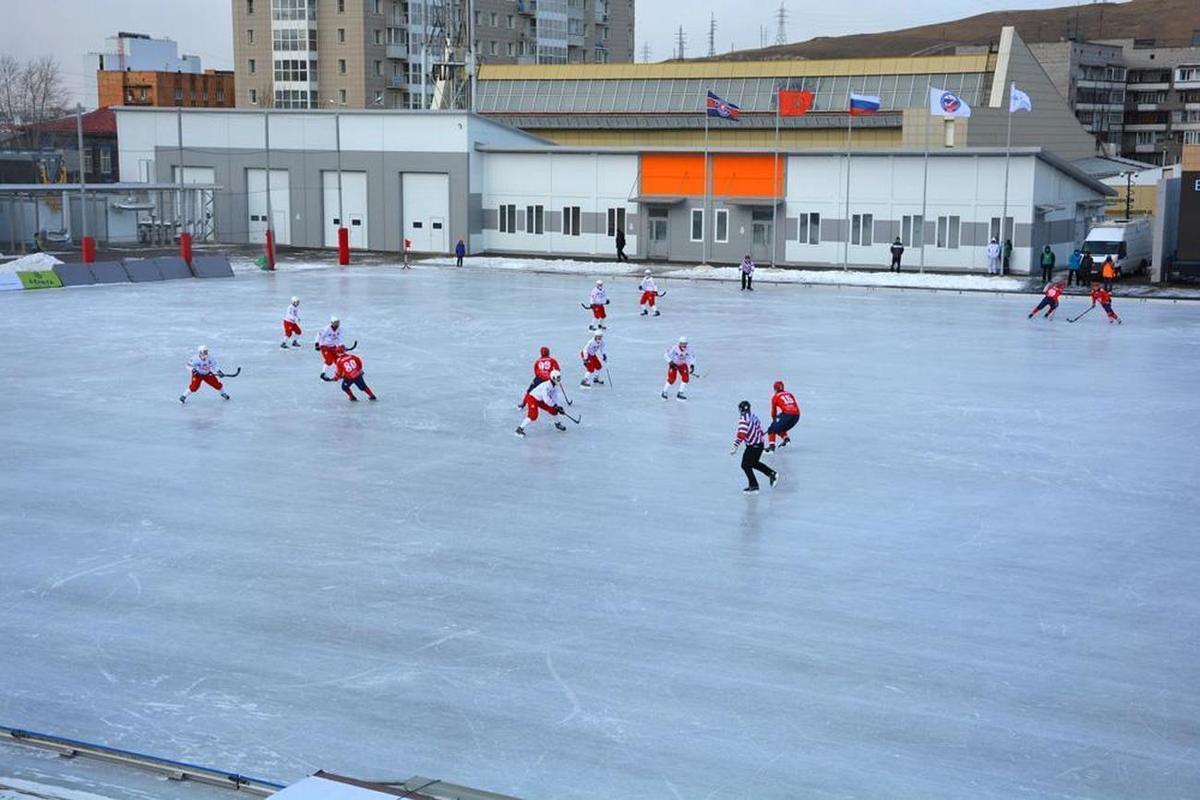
<point>30,93</point>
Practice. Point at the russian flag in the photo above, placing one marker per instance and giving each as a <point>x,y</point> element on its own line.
<point>864,104</point>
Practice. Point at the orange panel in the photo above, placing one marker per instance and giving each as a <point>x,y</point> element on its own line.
<point>747,175</point>
<point>673,174</point>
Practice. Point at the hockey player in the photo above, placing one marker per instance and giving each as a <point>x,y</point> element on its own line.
<point>542,368</point>
<point>1053,292</point>
<point>546,396</point>
<point>350,371</point>
<point>329,340</point>
<point>750,433</point>
<point>785,413</point>
<point>599,300</point>
<point>291,324</point>
<point>204,370</point>
<point>594,355</point>
<point>1104,298</point>
<point>649,294</point>
<point>680,361</point>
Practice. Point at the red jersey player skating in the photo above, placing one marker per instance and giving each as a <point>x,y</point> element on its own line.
<point>542,368</point>
<point>785,413</point>
<point>1053,292</point>
<point>350,371</point>
<point>1104,298</point>
<point>546,396</point>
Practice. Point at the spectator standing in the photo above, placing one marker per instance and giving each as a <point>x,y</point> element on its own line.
<point>621,245</point>
<point>1007,255</point>
<point>897,252</point>
<point>1047,264</point>
<point>747,268</point>
<point>1108,273</point>
<point>993,257</point>
<point>460,250</point>
<point>1073,268</point>
<point>1086,265</point>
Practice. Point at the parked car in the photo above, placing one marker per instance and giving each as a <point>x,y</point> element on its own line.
<point>1129,242</point>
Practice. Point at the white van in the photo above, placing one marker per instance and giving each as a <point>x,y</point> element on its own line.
<point>1128,241</point>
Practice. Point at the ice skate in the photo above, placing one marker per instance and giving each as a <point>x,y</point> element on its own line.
<point>602,326</point>
<point>783,443</point>
<point>770,449</point>
<point>598,381</point>
<point>644,312</point>
<point>774,479</point>
<point>353,399</point>
<point>283,345</point>
<point>680,396</point>
<point>519,432</point>
<point>183,398</point>
<point>560,426</point>
<point>583,384</point>
<point>224,396</point>
<point>591,327</point>
<point>750,490</point>
<point>372,398</point>
<point>657,313</point>
<point>664,395</point>
<point>295,343</point>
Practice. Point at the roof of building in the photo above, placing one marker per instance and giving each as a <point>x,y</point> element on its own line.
<point>101,122</point>
<point>1101,167</point>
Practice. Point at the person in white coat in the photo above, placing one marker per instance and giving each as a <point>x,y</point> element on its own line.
<point>993,257</point>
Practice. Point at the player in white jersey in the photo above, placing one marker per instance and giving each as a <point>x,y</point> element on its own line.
<point>328,341</point>
<point>291,324</point>
<point>546,396</point>
<point>681,362</point>
<point>598,300</point>
<point>594,354</point>
<point>204,370</point>
<point>649,291</point>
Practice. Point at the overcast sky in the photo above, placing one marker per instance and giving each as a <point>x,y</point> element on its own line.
<point>69,28</point>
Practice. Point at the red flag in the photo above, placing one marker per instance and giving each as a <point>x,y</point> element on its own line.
<point>795,103</point>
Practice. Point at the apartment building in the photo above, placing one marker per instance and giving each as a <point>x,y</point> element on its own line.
<point>1091,77</point>
<point>409,53</point>
<point>137,69</point>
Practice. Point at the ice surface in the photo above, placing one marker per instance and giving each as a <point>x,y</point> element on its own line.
<point>977,578</point>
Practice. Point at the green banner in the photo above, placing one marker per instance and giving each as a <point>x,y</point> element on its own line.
<point>40,279</point>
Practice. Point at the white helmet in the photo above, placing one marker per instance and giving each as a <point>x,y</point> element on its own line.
<point>683,340</point>
<point>202,349</point>
<point>555,376</point>
<point>647,272</point>
<point>598,334</point>
<point>334,321</point>
<point>295,301</point>
<point>599,283</point>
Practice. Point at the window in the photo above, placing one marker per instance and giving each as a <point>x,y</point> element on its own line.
<point>994,229</point>
<point>378,69</point>
<point>342,96</point>
<point>342,66</point>
<point>253,65</point>
<point>341,6</point>
<point>721,224</point>
<point>291,69</point>
<point>179,95</point>
<point>509,22</point>
<point>508,218</point>
<point>512,48</point>
<point>947,232</point>
<point>860,229</point>
<point>87,161</point>
<point>249,7</point>
<point>106,161</point>
<point>1188,73</point>
<point>378,36</point>
<point>378,6</point>
<point>616,220</point>
<point>697,224</point>
<point>1191,137</point>
<point>250,35</point>
<point>492,19</point>
<point>809,228</point>
<point>254,96</point>
<point>341,35</point>
<point>492,48</point>
<point>912,230</point>
<point>570,220</point>
<point>535,219</point>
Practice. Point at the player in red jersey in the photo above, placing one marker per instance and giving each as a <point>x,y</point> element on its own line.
<point>1104,298</point>
<point>542,368</point>
<point>785,413</point>
<point>350,371</point>
<point>1053,292</point>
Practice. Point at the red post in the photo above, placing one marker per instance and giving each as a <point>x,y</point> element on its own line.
<point>89,250</point>
<point>270,249</point>
<point>185,247</point>
<point>343,245</point>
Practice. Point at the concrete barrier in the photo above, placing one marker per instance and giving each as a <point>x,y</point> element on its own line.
<point>141,270</point>
<point>172,268</point>
<point>109,272</point>
<point>74,274</point>
<point>39,279</point>
<point>212,267</point>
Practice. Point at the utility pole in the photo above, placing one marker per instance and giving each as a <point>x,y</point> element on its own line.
<point>762,35</point>
<point>781,21</point>
<point>680,43</point>
<point>712,35</point>
<point>86,242</point>
<point>645,52</point>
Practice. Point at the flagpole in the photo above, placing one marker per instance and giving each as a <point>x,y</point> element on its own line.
<point>925,179</point>
<point>1007,157</point>
<point>775,182</point>
<point>704,221</point>
<point>846,244</point>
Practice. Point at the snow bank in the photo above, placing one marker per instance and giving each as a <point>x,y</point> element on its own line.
<point>30,263</point>
<point>19,789</point>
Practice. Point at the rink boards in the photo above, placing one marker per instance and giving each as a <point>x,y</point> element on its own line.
<point>129,270</point>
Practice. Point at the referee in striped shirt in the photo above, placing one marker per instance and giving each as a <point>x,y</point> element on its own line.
<point>750,433</point>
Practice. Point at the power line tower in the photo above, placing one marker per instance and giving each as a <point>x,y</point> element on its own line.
<point>762,35</point>
<point>645,52</point>
<point>680,43</point>
<point>712,35</point>
<point>781,21</point>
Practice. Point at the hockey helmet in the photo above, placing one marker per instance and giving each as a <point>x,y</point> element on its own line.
<point>598,334</point>
<point>779,386</point>
<point>744,406</point>
<point>599,283</point>
<point>295,301</point>
<point>555,376</point>
<point>545,352</point>
<point>334,321</point>
<point>202,349</point>
<point>683,340</point>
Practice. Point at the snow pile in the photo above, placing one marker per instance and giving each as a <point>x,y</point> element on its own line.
<point>561,265</point>
<point>30,263</point>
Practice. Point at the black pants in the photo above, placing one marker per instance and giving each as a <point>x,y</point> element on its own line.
<point>1047,273</point>
<point>747,281</point>
<point>1073,274</point>
<point>459,260</point>
<point>621,253</point>
<point>359,382</point>
<point>751,462</point>
<point>895,264</point>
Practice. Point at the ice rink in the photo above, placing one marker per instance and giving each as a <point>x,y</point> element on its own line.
<point>977,578</point>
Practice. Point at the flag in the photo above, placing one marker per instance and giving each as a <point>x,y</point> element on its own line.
<point>795,103</point>
<point>1018,100</point>
<point>947,104</point>
<point>864,104</point>
<point>716,107</point>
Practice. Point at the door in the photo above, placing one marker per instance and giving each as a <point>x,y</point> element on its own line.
<point>281,209</point>
<point>659,245</point>
<point>760,242</point>
<point>354,206</point>
<point>425,209</point>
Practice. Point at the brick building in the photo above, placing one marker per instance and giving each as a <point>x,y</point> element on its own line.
<point>209,89</point>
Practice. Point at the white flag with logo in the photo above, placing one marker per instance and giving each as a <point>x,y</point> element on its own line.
<point>1018,100</point>
<point>947,104</point>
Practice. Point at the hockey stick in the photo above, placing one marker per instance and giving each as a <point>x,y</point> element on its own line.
<point>586,306</point>
<point>563,389</point>
<point>663,293</point>
<point>1070,319</point>
<point>351,347</point>
<point>229,374</point>
<point>608,375</point>
<point>568,416</point>
<point>327,379</point>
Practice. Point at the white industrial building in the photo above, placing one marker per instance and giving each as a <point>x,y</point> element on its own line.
<point>432,177</point>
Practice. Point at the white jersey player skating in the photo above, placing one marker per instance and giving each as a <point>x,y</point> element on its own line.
<point>598,300</point>
<point>593,354</point>
<point>328,342</point>
<point>291,324</point>
<point>649,290</point>
<point>681,362</point>
<point>204,370</point>
<point>546,396</point>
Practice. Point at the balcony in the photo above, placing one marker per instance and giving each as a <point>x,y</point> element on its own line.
<point>1157,86</point>
<point>1146,107</point>
<point>1132,127</point>
<point>399,51</point>
<point>398,82</point>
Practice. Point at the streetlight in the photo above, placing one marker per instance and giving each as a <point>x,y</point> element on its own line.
<point>343,235</point>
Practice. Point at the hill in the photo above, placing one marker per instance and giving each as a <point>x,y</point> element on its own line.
<point>1171,23</point>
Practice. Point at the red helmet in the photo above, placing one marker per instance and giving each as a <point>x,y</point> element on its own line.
<point>545,352</point>
<point>341,348</point>
<point>779,386</point>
